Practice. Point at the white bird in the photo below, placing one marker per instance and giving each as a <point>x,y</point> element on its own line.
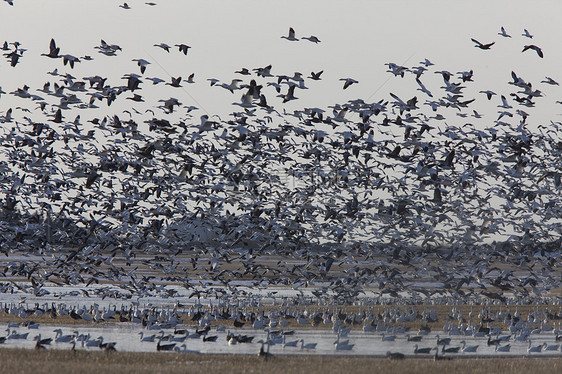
<point>164,46</point>
<point>503,33</point>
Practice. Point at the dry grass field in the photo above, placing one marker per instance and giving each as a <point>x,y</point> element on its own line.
<point>54,361</point>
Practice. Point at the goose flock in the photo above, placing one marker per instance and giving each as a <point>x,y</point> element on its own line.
<point>408,197</point>
<point>364,331</point>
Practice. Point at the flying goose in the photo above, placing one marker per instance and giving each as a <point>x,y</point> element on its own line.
<point>482,46</point>
<point>312,39</point>
<point>503,33</point>
<point>53,50</point>
<point>183,48</point>
<point>291,36</point>
<point>535,48</point>
<point>164,46</point>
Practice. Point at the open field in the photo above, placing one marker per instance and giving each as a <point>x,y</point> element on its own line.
<point>25,361</point>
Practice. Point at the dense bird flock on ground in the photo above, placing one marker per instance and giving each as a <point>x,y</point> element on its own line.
<point>365,193</point>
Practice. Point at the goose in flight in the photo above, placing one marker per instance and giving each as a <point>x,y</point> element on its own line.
<point>550,81</point>
<point>108,49</point>
<point>14,58</point>
<point>142,63</point>
<point>53,50</point>
<point>527,34</point>
<point>533,47</point>
<point>175,82</point>
<point>348,82</point>
<point>503,33</point>
<point>426,63</point>
<point>488,94</point>
<point>164,46</point>
<point>243,71</point>
<point>482,46</point>
<point>125,6</point>
<point>70,60</point>
<point>291,35</point>
<point>312,39</point>
<point>183,48</point>
<point>190,78</point>
<point>316,76</point>
<point>423,88</point>
<point>156,80</point>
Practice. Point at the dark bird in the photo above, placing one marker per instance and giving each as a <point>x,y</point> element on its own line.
<point>316,76</point>
<point>165,347</point>
<point>482,46</point>
<point>53,50</point>
<point>183,48</point>
<point>348,82</point>
<point>291,35</point>
<point>533,47</point>
<point>175,82</point>
<point>312,39</point>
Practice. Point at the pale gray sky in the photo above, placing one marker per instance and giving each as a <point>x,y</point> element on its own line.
<point>357,39</point>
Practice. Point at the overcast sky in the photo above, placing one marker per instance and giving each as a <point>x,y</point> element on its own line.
<point>357,39</point>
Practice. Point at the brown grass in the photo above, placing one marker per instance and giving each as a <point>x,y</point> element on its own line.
<point>60,362</point>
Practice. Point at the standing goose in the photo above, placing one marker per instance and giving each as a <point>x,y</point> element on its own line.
<point>262,352</point>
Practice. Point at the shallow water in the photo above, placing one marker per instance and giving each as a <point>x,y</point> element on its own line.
<point>127,338</point>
